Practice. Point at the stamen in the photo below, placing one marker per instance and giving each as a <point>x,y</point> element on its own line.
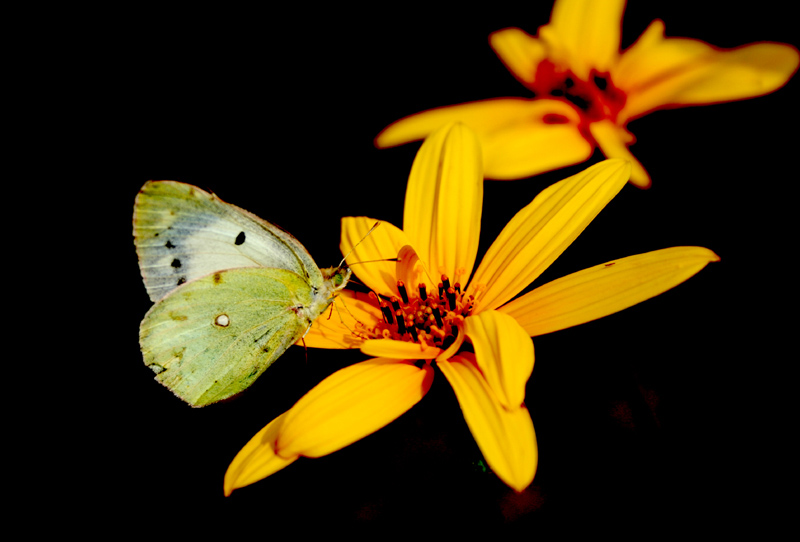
<point>437,315</point>
<point>402,289</point>
<point>451,298</point>
<point>413,332</point>
<point>445,282</point>
<point>395,304</point>
<point>401,325</point>
<point>441,290</point>
<point>457,286</point>
<point>423,293</point>
<point>387,313</point>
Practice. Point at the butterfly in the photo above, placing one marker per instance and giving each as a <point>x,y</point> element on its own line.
<point>232,292</point>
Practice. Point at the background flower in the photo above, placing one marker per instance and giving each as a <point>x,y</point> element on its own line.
<point>587,89</point>
<point>695,428</point>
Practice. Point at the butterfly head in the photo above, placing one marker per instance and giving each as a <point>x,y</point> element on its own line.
<point>336,277</point>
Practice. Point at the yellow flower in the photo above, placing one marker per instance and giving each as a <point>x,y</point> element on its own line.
<point>425,311</point>
<point>587,90</point>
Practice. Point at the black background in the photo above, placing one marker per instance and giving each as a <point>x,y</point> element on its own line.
<point>667,415</point>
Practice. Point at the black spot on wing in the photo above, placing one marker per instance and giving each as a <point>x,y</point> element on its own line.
<point>181,280</point>
<point>176,263</point>
<point>240,238</point>
<point>169,244</point>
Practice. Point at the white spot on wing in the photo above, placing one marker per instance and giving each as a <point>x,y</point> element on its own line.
<point>222,320</point>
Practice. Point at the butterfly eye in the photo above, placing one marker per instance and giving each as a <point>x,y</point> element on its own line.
<point>222,320</point>
<point>338,279</point>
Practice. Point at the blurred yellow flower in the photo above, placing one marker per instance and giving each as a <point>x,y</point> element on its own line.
<point>587,90</point>
<point>410,320</point>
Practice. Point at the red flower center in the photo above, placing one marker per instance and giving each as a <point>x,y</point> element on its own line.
<point>432,317</point>
<point>598,98</point>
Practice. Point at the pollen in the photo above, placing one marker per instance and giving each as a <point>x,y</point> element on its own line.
<point>419,317</point>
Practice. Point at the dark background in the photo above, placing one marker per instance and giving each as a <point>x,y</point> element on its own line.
<point>667,415</point>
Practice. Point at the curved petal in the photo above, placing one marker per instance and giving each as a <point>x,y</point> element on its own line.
<point>393,349</point>
<point>658,72</point>
<point>383,243</point>
<point>257,459</point>
<point>545,137</point>
<point>544,229</point>
<point>584,34</point>
<point>520,52</point>
<point>505,436</point>
<point>412,271</point>
<point>519,137</point>
<point>613,140</point>
<point>351,404</point>
<point>484,117</point>
<point>444,199</point>
<point>605,289</point>
<point>340,326</point>
<point>504,354</point>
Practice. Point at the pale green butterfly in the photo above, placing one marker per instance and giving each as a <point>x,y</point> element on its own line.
<point>232,291</point>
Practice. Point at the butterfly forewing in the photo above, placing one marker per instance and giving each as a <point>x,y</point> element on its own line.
<point>212,337</point>
<point>182,233</point>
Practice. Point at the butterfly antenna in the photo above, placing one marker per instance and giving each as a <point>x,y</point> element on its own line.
<point>378,223</point>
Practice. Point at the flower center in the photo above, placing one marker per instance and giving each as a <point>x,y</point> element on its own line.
<point>598,98</point>
<point>427,316</point>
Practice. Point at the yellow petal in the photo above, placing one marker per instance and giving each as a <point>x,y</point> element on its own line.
<point>411,270</point>
<point>390,348</point>
<point>613,140</point>
<point>383,243</point>
<point>545,137</point>
<point>605,289</point>
<point>658,72</point>
<point>484,117</point>
<point>519,137</point>
<point>504,354</point>
<point>505,436</point>
<point>351,404</point>
<point>584,34</point>
<point>257,459</point>
<point>444,199</point>
<point>339,326</point>
<point>520,52</point>
<point>544,229</point>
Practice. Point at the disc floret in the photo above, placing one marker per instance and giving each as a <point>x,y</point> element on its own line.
<point>417,316</point>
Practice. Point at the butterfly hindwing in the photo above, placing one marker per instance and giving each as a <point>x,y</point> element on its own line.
<point>232,292</point>
<point>182,233</point>
<point>212,337</point>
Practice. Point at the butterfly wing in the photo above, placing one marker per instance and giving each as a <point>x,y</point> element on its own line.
<point>210,338</point>
<point>182,233</point>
